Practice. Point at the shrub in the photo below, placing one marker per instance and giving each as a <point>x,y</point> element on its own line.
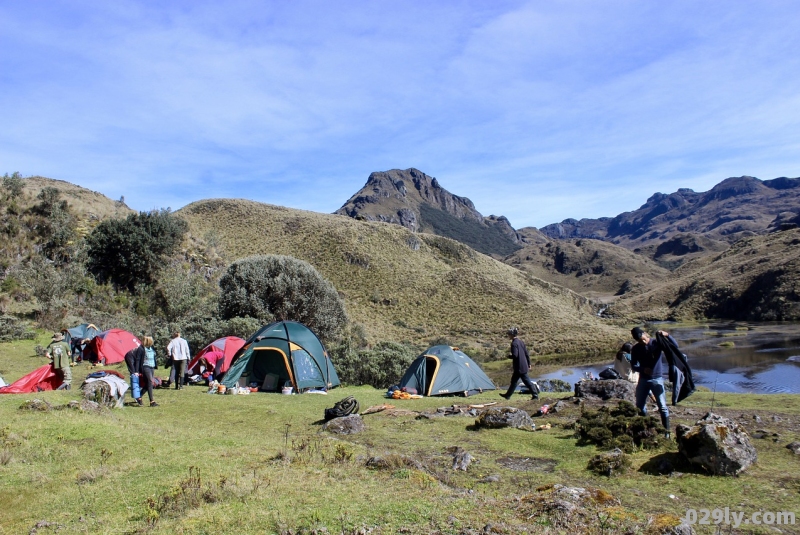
<point>131,251</point>
<point>622,428</point>
<point>13,329</point>
<point>278,287</point>
<point>381,367</point>
<point>14,185</point>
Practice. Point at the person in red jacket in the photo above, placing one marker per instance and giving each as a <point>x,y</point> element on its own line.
<point>521,363</point>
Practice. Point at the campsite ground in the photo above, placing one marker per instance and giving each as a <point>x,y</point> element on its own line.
<point>261,464</point>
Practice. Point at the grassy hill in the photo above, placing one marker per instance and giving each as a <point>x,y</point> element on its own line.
<point>756,279</point>
<point>405,286</point>
<point>593,268</point>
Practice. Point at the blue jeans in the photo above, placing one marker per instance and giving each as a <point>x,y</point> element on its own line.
<point>136,391</point>
<point>656,386</point>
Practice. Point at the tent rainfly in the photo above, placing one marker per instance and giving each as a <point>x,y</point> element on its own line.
<point>284,353</point>
<point>109,347</point>
<point>444,370</point>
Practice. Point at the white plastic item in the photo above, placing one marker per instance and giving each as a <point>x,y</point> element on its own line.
<point>286,390</point>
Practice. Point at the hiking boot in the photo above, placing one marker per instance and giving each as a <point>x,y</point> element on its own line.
<point>139,402</point>
<point>535,396</point>
<point>505,396</point>
<point>153,404</point>
<point>668,435</point>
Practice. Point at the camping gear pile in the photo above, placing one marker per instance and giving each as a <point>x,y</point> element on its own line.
<point>105,388</point>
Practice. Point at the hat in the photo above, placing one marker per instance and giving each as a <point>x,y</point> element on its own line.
<point>637,333</point>
<point>57,337</point>
<point>513,331</point>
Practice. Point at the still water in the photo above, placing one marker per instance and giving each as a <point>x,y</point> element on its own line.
<point>729,357</point>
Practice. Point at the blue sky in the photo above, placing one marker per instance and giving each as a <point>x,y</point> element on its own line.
<point>538,111</point>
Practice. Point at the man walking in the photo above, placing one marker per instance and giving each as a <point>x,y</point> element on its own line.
<point>521,363</point>
<point>178,351</point>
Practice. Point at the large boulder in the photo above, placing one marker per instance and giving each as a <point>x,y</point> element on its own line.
<point>345,425</point>
<point>497,417</point>
<point>606,389</point>
<point>717,444</point>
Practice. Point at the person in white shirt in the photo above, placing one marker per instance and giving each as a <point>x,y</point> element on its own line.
<point>178,351</point>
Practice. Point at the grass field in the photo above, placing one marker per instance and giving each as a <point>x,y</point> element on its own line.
<point>202,464</point>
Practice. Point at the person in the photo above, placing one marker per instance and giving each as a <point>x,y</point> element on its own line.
<point>212,364</point>
<point>622,363</point>
<point>647,359</point>
<point>133,360</point>
<point>178,352</point>
<point>58,353</point>
<point>521,363</point>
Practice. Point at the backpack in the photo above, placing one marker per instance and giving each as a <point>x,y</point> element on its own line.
<point>609,373</point>
<point>345,407</point>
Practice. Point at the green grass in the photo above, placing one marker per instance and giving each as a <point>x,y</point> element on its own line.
<point>204,463</point>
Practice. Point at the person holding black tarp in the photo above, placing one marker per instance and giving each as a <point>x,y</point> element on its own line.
<point>647,359</point>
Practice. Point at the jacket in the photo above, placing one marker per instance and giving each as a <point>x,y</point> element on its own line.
<point>521,360</point>
<point>680,374</point>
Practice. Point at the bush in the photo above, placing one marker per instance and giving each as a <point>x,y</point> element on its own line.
<point>270,287</point>
<point>13,329</point>
<point>381,367</point>
<point>622,428</point>
<point>131,251</point>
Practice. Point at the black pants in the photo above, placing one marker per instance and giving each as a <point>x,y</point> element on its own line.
<point>147,375</point>
<point>525,380</point>
<point>178,372</point>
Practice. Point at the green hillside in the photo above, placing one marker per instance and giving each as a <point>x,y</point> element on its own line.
<point>410,287</point>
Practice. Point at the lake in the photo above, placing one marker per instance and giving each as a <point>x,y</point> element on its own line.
<point>761,358</point>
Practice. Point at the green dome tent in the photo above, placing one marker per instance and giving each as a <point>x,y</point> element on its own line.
<point>444,370</point>
<point>283,353</point>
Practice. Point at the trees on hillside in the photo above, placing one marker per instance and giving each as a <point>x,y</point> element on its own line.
<point>271,287</point>
<point>130,251</point>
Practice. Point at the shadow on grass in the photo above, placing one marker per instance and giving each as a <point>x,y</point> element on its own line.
<point>669,463</point>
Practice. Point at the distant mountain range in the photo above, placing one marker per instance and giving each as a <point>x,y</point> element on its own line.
<point>733,209</point>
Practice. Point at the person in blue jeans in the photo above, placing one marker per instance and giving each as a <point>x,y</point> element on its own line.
<point>647,358</point>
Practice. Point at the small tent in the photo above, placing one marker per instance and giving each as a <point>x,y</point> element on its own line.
<point>41,379</point>
<point>281,354</point>
<point>79,336</point>
<point>444,370</point>
<point>110,347</point>
<point>228,345</point>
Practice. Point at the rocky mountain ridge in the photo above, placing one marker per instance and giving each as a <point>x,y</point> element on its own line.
<point>736,208</point>
<point>418,202</point>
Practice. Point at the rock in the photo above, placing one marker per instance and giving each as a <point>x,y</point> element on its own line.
<point>346,425</point>
<point>606,389</point>
<point>717,444</point>
<point>559,406</point>
<point>795,447</point>
<point>757,418</point>
<point>36,405</point>
<point>610,463</point>
<point>85,405</point>
<point>494,478</point>
<point>461,459</point>
<point>498,417</point>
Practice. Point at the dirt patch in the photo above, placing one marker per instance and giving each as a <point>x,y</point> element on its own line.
<point>528,464</point>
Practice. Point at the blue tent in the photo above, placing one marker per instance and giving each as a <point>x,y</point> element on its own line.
<point>283,353</point>
<point>77,337</point>
<point>444,370</point>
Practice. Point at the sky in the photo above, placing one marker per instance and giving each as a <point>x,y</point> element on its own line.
<point>536,110</point>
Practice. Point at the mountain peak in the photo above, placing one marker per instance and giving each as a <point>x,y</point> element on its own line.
<point>418,202</point>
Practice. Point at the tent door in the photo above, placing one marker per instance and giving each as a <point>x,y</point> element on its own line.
<point>270,361</point>
<point>431,368</point>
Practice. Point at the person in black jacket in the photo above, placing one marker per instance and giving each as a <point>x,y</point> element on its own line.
<point>521,363</point>
<point>133,360</point>
<point>141,362</point>
<point>647,359</point>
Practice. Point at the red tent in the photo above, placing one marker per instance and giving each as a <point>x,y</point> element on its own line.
<point>40,379</point>
<point>109,347</point>
<point>228,345</point>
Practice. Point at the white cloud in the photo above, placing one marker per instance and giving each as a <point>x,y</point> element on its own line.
<point>579,109</point>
